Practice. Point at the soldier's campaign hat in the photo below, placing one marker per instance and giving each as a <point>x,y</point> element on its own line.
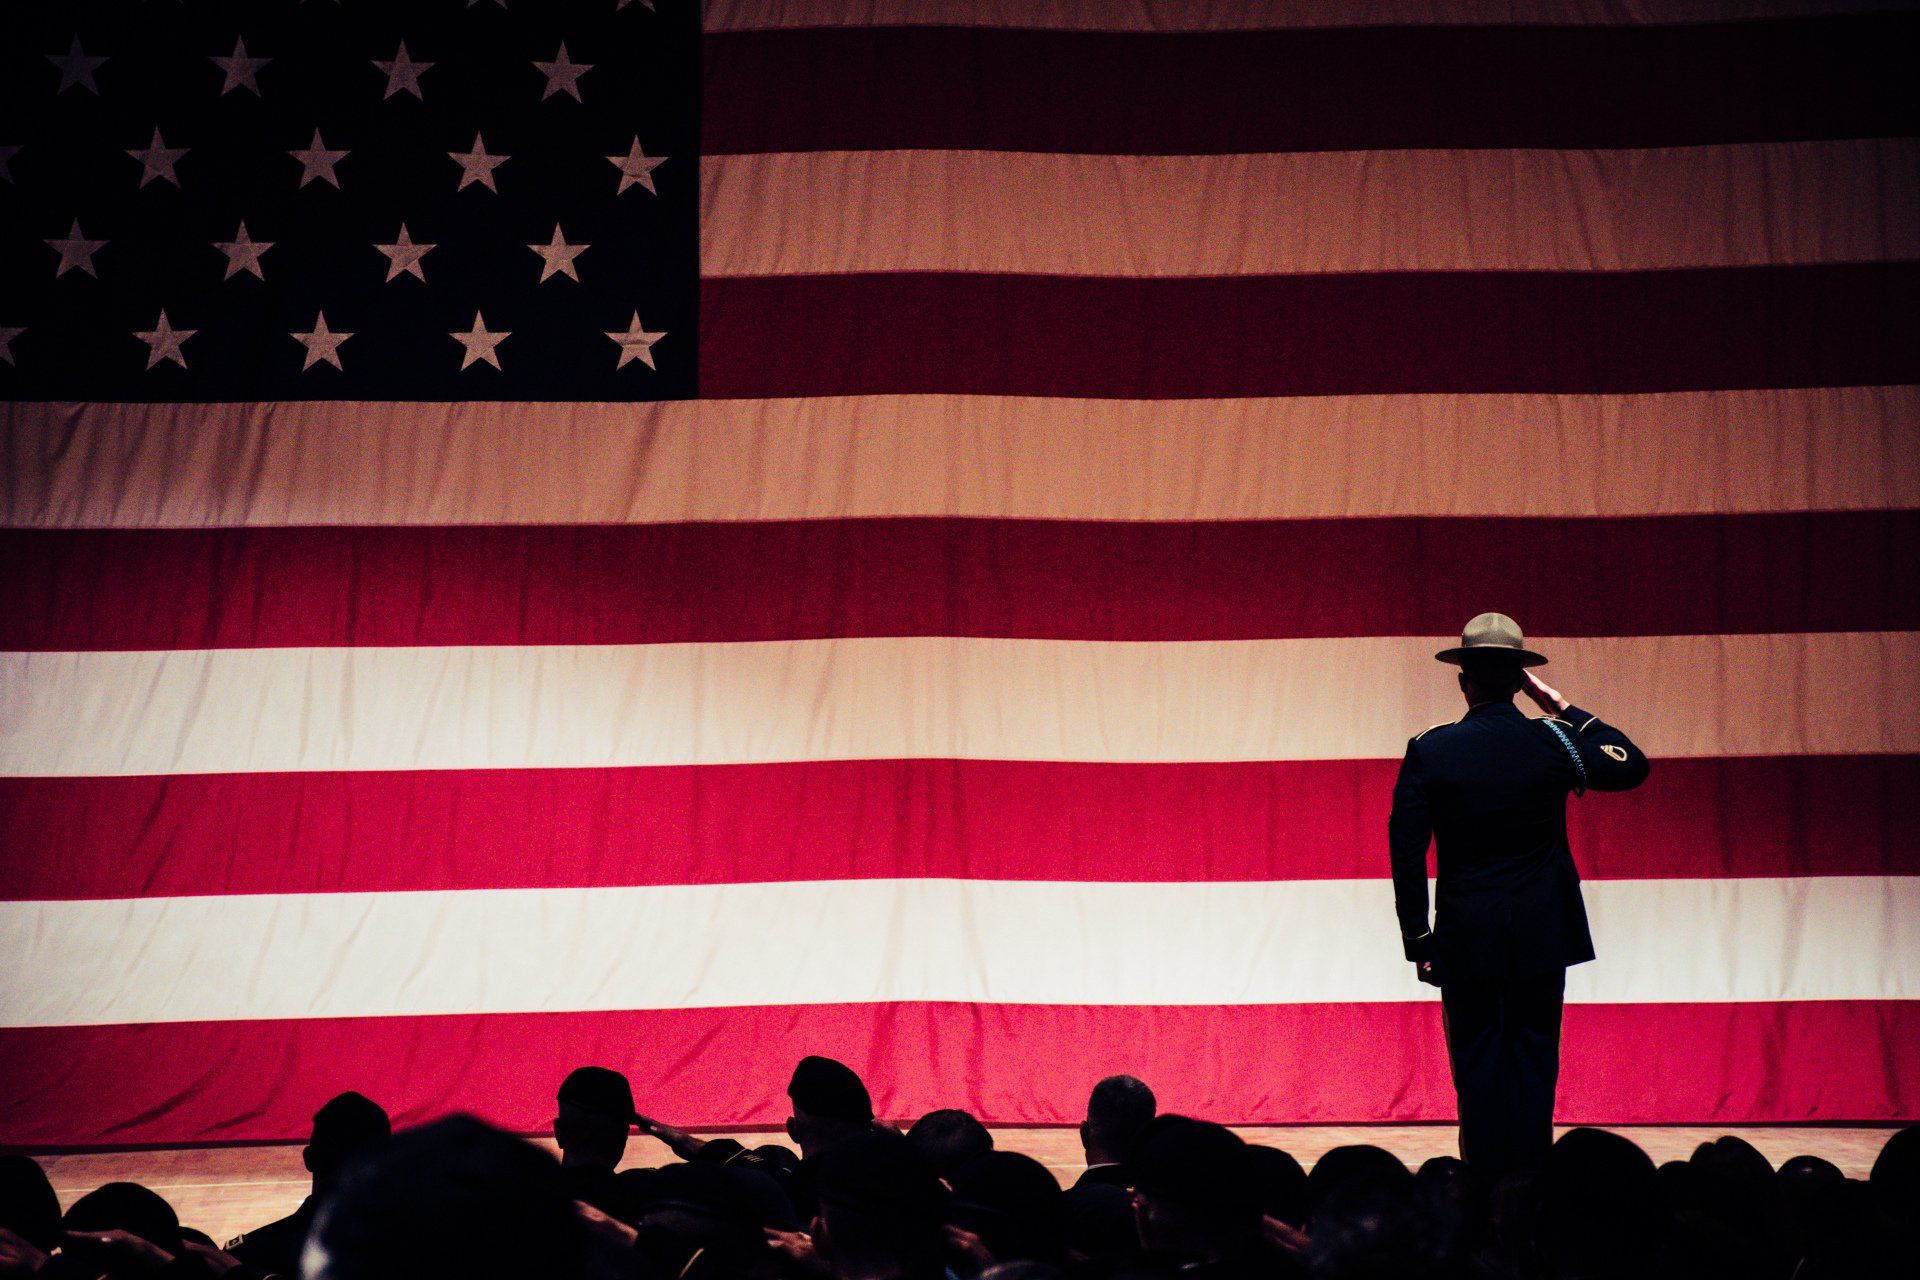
<point>1491,635</point>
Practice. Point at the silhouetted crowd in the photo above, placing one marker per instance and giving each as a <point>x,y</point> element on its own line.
<point>854,1198</point>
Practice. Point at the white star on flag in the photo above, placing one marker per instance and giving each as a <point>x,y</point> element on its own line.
<point>480,342</point>
<point>403,256</point>
<point>243,253</point>
<point>322,343</point>
<point>7,335</point>
<point>557,257</point>
<point>403,73</point>
<point>317,162</point>
<point>157,160</point>
<point>636,168</point>
<point>563,74</point>
<point>635,344</point>
<point>76,251</point>
<point>240,69</point>
<point>163,342</point>
<point>76,68</point>
<point>477,166</point>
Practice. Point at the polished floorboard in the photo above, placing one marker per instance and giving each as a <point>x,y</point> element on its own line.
<point>227,1190</point>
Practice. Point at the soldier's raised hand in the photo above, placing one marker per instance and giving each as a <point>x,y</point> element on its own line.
<point>1544,695</point>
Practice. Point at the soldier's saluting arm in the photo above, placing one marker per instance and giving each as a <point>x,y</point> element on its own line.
<point>1608,759</point>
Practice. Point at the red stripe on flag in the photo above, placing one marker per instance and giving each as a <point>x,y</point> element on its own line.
<point>867,89</point>
<point>192,834</point>
<point>1009,1064</point>
<point>601,584</point>
<point>1164,338</point>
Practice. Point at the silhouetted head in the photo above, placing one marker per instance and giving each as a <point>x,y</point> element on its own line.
<point>596,1108</point>
<point>1805,1182</point>
<point>830,1105</point>
<point>1372,1228</point>
<point>1896,1175</point>
<point>1356,1164</point>
<point>454,1198</point>
<point>705,1219</point>
<point>1741,1192</point>
<point>1118,1111</point>
<point>28,1206</point>
<point>1281,1185</point>
<point>882,1208</point>
<point>1196,1195</point>
<point>1600,1206</point>
<point>1810,1171</point>
<point>949,1138</point>
<point>346,1128</point>
<point>1489,678</point>
<point>1100,1226</point>
<point>121,1206</point>
<point>1455,1199</point>
<point>1013,1204</point>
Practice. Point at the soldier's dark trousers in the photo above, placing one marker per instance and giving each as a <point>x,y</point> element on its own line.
<point>1505,1044</point>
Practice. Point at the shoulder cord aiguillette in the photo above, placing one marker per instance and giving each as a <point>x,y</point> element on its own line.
<point>1579,765</point>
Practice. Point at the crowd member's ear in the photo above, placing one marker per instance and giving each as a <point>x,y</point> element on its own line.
<point>306,1158</point>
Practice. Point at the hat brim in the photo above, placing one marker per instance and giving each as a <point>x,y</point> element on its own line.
<point>1459,654</point>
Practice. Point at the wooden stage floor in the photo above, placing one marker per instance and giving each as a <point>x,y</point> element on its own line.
<point>227,1190</point>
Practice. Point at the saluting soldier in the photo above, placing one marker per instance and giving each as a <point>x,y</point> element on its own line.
<point>1489,792</point>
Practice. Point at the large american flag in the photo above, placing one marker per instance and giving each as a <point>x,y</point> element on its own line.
<point>545,533</point>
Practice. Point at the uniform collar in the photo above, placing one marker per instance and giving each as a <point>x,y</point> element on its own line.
<point>1493,708</point>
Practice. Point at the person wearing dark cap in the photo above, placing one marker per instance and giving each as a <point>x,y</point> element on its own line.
<point>349,1127</point>
<point>1489,793</point>
<point>703,1219</point>
<point>830,1105</point>
<point>950,1138</point>
<point>596,1108</point>
<point>453,1198</point>
<point>1118,1111</point>
<point>1012,1205</point>
<point>28,1206</point>
<point>1196,1197</point>
<point>881,1208</point>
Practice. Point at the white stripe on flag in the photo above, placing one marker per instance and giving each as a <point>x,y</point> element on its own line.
<point>249,710</point>
<point>813,942</point>
<point>1779,203</point>
<point>66,465</point>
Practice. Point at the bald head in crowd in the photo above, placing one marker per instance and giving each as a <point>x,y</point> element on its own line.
<point>1118,1111</point>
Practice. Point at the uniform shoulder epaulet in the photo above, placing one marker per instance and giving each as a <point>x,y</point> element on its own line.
<point>1430,728</point>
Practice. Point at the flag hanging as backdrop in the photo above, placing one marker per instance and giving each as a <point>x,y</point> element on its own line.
<point>915,530</point>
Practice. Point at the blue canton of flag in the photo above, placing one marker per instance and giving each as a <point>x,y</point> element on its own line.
<point>421,201</point>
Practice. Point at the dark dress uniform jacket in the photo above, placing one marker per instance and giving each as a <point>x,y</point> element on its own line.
<point>1490,791</point>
